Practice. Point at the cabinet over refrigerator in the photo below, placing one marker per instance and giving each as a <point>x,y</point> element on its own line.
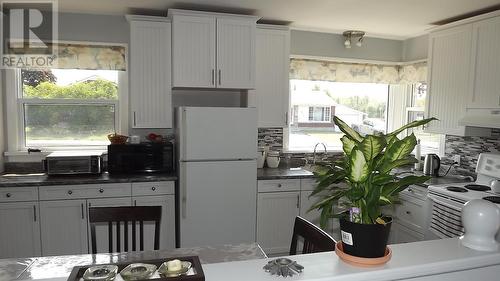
<point>217,149</point>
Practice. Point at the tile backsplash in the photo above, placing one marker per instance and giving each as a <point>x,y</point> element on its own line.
<point>469,149</point>
<point>272,137</point>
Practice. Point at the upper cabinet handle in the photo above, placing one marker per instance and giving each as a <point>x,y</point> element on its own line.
<point>220,75</point>
<point>213,76</point>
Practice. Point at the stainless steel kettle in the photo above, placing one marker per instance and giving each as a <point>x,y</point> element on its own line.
<point>431,165</point>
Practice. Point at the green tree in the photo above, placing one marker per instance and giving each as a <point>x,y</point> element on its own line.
<point>97,89</point>
<point>35,77</point>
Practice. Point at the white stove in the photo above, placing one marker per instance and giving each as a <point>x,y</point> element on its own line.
<point>449,199</point>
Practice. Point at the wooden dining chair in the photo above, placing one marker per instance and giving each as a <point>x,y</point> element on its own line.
<point>314,238</point>
<point>132,215</point>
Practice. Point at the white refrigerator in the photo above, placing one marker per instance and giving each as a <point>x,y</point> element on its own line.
<point>216,149</point>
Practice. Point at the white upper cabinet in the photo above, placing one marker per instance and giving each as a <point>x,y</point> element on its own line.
<point>213,50</point>
<point>271,94</point>
<point>193,49</point>
<point>150,72</point>
<point>235,53</point>
<point>449,61</point>
<point>485,70</point>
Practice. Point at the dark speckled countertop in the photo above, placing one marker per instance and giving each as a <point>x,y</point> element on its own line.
<point>282,173</point>
<point>297,173</point>
<point>10,180</point>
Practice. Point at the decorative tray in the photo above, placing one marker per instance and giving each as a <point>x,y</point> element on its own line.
<point>195,272</point>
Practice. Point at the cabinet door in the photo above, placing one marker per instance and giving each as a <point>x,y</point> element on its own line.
<point>150,78</point>
<point>449,53</point>
<point>101,229</point>
<point>19,230</point>
<point>193,51</point>
<point>333,227</point>
<point>276,212</point>
<point>271,94</point>
<point>167,226</point>
<point>401,234</point>
<point>63,227</point>
<point>485,90</point>
<point>235,53</point>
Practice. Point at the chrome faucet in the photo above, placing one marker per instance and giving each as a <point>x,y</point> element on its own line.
<point>316,146</point>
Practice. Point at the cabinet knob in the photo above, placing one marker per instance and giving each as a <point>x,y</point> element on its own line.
<point>408,212</point>
<point>153,188</point>
<point>70,192</point>
<point>279,185</point>
<point>101,190</point>
<point>8,195</point>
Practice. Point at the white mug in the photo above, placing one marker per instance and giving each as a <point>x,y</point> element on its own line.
<point>135,139</point>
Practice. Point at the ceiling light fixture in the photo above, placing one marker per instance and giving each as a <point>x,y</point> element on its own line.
<point>350,35</point>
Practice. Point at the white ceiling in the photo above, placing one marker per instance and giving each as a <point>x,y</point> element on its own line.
<point>398,19</point>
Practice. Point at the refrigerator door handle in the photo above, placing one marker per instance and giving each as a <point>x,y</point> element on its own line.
<point>183,200</point>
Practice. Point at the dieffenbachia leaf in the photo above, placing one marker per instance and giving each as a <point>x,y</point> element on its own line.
<point>371,146</point>
<point>351,133</point>
<point>413,124</point>
<point>359,171</point>
<point>400,149</point>
<point>401,184</point>
<point>347,144</point>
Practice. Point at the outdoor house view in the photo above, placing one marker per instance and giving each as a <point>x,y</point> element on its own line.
<point>363,106</point>
<point>244,140</point>
<point>68,106</point>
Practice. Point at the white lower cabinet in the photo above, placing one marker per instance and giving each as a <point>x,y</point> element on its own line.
<point>276,212</point>
<point>307,187</point>
<point>402,234</point>
<point>63,227</point>
<point>19,230</point>
<point>167,225</point>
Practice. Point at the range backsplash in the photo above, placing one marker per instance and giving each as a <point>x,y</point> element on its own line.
<point>469,149</point>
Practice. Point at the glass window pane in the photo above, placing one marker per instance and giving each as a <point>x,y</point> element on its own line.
<point>67,125</point>
<point>429,143</point>
<point>361,105</point>
<point>70,84</point>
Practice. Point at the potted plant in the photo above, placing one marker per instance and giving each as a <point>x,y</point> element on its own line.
<point>363,183</point>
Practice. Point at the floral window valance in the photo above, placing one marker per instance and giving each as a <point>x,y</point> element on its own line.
<point>87,56</point>
<point>306,69</point>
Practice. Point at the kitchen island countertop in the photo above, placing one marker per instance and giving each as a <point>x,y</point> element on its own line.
<point>12,180</point>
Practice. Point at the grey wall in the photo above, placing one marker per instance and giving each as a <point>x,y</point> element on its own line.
<point>2,135</point>
<point>416,48</point>
<point>332,45</point>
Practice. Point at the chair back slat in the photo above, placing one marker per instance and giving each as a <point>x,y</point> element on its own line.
<point>118,215</point>
<point>314,238</point>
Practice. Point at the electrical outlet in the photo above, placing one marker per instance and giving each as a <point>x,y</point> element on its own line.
<point>456,158</point>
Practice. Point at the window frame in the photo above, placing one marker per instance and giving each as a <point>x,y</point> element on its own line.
<point>16,141</point>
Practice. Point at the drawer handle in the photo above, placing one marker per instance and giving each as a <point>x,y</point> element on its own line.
<point>70,192</point>
<point>101,190</point>
<point>8,195</point>
<point>153,188</point>
<point>279,185</point>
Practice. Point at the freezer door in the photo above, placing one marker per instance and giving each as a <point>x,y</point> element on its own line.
<point>217,133</point>
<point>217,203</point>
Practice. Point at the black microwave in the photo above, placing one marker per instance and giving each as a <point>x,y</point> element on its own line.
<point>141,158</point>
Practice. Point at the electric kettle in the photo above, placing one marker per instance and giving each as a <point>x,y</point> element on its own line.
<point>431,165</point>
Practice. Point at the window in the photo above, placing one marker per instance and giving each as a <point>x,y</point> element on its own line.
<point>67,107</point>
<point>313,103</point>
<point>319,114</point>
<point>415,110</point>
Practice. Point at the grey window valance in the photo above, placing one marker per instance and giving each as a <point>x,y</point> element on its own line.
<point>307,69</point>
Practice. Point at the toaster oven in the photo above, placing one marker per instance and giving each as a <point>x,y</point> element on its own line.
<point>73,162</point>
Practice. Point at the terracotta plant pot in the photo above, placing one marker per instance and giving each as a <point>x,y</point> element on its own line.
<point>365,240</point>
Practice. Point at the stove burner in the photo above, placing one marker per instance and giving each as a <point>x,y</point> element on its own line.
<point>494,199</point>
<point>456,189</point>
<point>477,187</point>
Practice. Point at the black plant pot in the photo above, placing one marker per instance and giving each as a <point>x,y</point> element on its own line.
<point>365,240</point>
